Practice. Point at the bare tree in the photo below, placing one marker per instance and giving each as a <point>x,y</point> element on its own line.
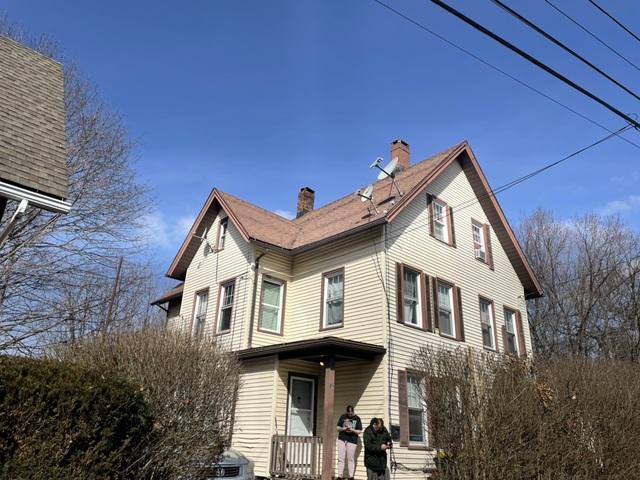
<point>190,385</point>
<point>53,268</point>
<point>589,269</point>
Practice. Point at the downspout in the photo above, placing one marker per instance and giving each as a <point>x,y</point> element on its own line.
<point>256,268</point>
<point>22,207</point>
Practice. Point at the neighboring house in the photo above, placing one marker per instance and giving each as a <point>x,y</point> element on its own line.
<point>33,168</point>
<point>327,309</point>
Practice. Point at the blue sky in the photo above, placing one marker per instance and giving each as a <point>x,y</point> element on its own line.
<point>260,98</point>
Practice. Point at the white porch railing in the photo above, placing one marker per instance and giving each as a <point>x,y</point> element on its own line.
<point>296,458</point>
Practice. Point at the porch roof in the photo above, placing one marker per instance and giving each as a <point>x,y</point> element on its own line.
<point>316,349</point>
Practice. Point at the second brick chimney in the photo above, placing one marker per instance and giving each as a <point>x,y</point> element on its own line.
<point>400,150</point>
<point>306,197</point>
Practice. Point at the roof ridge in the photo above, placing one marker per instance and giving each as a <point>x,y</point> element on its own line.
<point>378,182</point>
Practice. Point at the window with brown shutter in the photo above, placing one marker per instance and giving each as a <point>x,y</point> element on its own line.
<point>412,297</point>
<point>441,225</point>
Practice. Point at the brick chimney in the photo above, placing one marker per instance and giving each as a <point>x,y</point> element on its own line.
<point>400,150</point>
<point>306,196</point>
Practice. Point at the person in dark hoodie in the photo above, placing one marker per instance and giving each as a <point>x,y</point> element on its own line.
<point>377,442</point>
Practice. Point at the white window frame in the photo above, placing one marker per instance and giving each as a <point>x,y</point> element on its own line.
<point>325,300</point>
<point>490,323</point>
<point>200,318</point>
<point>223,229</point>
<point>479,247</point>
<point>221,306</point>
<point>280,284</point>
<point>411,379</point>
<point>418,298</point>
<point>440,220</point>
<point>508,313</point>
<point>451,307</point>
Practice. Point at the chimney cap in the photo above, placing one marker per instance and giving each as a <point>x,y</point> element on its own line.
<point>307,189</point>
<point>399,140</point>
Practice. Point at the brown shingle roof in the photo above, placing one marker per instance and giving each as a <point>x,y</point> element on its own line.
<point>349,214</point>
<point>175,292</point>
<point>32,153</point>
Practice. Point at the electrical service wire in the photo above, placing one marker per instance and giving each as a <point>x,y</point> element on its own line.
<point>499,70</point>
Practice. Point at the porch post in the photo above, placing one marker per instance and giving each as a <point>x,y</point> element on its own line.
<point>328,428</point>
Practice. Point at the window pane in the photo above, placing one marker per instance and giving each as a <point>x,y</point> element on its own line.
<point>333,299</point>
<point>487,335</point>
<point>225,319</point>
<point>414,392</point>
<point>445,309</point>
<point>445,322</point>
<point>271,294</point>
<point>270,318</point>
<point>416,430</point>
<point>411,295</point>
<point>511,343</point>
<point>334,312</point>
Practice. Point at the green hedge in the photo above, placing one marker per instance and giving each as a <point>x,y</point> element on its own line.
<point>63,421</point>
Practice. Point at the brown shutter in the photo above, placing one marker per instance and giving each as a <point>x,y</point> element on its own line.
<point>487,245</point>
<point>403,404</point>
<point>399,293</point>
<point>522,348</point>
<point>431,385</point>
<point>452,230</point>
<point>495,326</point>
<point>457,302</point>
<point>427,324</point>
<point>436,316</point>
<point>430,209</point>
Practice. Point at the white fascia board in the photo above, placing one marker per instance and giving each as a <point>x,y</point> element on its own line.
<point>34,198</point>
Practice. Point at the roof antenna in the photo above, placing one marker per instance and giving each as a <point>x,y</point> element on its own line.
<point>366,195</point>
<point>389,171</point>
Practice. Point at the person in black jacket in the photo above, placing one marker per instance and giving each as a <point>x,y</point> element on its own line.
<point>377,442</point>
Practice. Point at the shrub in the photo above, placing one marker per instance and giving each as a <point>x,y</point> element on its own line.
<point>61,421</point>
<point>190,385</point>
<point>495,417</point>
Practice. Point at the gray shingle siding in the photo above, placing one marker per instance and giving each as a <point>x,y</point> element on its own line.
<point>32,151</point>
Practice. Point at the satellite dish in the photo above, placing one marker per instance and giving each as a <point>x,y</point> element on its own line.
<point>388,170</point>
<point>377,163</point>
<point>366,194</point>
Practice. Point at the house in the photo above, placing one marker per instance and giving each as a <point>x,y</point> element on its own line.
<point>33,168</point>
<point>326,310</point>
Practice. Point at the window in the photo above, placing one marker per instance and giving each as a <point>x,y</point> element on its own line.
<point>511,344</point>
<point>200,313</point>
<point>415,404</point>
<point>446,319</point>
<point>411,297</point>
<point>222,233</point>
<point>271,306</point>
<point>226,306</point>
<point>478,242</point>
<point>486,319</point>
<point>440,228</point>
<point>333,307</point>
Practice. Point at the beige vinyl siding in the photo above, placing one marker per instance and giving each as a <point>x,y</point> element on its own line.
<point>173,313</point>
<point>207,270</point>
<point>254,414</point>
<point>458,265</point>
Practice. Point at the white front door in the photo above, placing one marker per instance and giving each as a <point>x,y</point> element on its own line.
<point>301,406</point>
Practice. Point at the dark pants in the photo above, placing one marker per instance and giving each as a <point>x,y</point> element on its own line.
<point>373,475</point>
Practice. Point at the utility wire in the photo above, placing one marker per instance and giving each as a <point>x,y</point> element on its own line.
<point>586,30</point>
<point>616,21</point>
<point>557,42</point>
<point>535,61</point>
<point>499,70</point>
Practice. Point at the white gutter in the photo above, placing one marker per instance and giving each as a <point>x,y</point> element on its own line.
<point>34,198</point>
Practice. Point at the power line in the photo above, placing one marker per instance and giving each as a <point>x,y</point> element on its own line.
<point>535,61</point>
<point>592,2</point>
<point>499,70</point>
<point>586,30</point>
<point>557,42</point>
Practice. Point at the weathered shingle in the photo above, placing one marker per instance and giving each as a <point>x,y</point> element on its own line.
<point>32,153</point>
